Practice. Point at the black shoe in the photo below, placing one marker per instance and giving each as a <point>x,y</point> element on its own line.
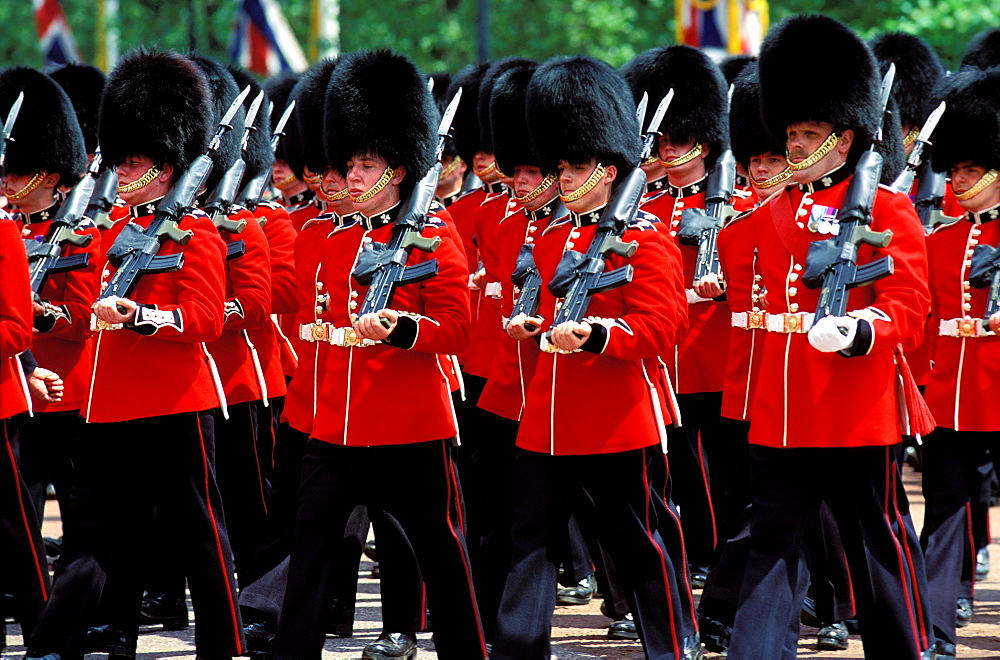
<point>809,617</point>
<point>944,650</point>
<point>714,634</point>
<point>260,639</point>
<point>963,612</point>
<point>624,628</point>
<point>166,610</point>
<point>832,637</point>
<point>369,550</point>
<point>376,573</point>
<point>53,547</point>
<point>693,650</point>
<point>698,576</point>
<point>983,564</point>
<point>392,645</point>
<point>113,640</point>
<point>578,594</point>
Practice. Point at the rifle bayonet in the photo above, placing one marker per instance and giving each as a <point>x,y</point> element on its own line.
<point>8,126</point>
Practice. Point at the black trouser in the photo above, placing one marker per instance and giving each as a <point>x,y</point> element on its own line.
<point>860,485</point>
<point>423,498</point>
<point>125,473</point>
<point>46,450</point>
<point>634,526</point>
<point>952,462</point>
<point>23,568</point>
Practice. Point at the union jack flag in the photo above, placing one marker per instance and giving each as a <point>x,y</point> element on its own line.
<point>262,41</point>
<point>722,27</point>
<point>54,34</point>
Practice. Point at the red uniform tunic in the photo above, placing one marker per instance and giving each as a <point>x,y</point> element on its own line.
<point>807,398</point>
<point>301,208</point>
<point>61,343</point>
<point>695,365</point>
<point>963,388</point>
<point>385,394</point>
<point>166,372</point>
<point>597,403</point>
<point>15,318</point>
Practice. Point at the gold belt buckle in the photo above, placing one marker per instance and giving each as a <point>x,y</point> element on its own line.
<point>319,332</point>
<point>755,320</point>
<point>791,323</point>
<point>966,328</point>
<point>351,337</point>
<point>103,325</point>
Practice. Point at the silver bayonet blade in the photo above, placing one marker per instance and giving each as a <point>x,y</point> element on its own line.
<point>234,108</point>
<point>640,111</point>
<point>8,126</point>
<point>661,111</point>
<point>886,88</point>
<point>252,117</point>
<point>279,128</point>
<point>449,114</point>
<point>931,123</point>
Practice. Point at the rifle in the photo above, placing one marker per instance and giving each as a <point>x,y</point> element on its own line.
<point>222,201</point>
<point>930,191</point>
<point>527,278</point>
<point>254,189</point>
<point>832,263</point>
<point>985,272</point>
<point>579,276</point>
<point>102,200</point>
<point>134,252</point>
<point>382,266</point>
<point>8,126</point>
<point>44,258</point>
<point>904,182</point>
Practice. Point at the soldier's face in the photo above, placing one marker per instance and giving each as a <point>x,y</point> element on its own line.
<point>36,200</point>
<point>481,162</point>
<point>767,165</point>
<point>133,168</point>
<point>363,173</point>
<point>967,174</point>
<point>575,175</point>
<point>685,174</point>
<point>525,180</point>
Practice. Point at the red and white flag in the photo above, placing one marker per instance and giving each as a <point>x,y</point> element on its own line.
<point>54,34</point>
<point>262,40</point>
<point>722,27</point>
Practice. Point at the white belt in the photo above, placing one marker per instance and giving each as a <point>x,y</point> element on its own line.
<point>97,324</point>
<point>332,335</point>
<point>788,323</point>
<point>966,327</point>
<point>552,348</point>
<point>493,290</point>
<point>749,320</point>
<point>694,297</point>
<point>315,332</point>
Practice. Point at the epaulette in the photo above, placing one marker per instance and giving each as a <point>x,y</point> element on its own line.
<point>557,222</point>
<point>644,221</point>
<point>434,221</point>
<point>197,213</point>
<point>436,207</point>
<point>271,204</point>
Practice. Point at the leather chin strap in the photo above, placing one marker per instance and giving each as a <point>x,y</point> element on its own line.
<point>377,188</point>
<point>680,160</point>
<point>816,156</point>
<point>588,185</point>
<point>142,181</point>
<point>542,187</point>
<point>29,187</point>
<point>985,182</point>
<point>778,178</point>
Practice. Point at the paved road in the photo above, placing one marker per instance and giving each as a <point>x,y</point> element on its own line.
<point>580,632</point>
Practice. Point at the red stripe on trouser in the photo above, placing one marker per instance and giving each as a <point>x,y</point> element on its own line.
<point>458,505</point>
<point>675,636</point>
<point>708,493</point>
<point>914,583</point>
<point>452,489</point>
<point>683,575</point>
<point>218,543</point>
<point>972,543</point>
<point>888,488</point>
<point>24,516</point>
<point>256,458</point>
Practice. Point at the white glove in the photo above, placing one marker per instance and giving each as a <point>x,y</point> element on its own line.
<point>833,333</point>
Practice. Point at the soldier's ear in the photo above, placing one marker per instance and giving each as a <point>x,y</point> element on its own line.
<point>398,175</point>
<point>51,180</point>
<point>610,174</point>
<point>846,140</point>
<point>705,148</point>
<point>166,173</point>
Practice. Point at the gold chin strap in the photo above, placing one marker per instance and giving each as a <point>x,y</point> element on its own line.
<point>780,177</point>
<point>588,185</point>
<point>489,169</point>
<point>335,197</point>
<point>452,166</point>
<point>29,187</point>
<point>142,181</point>
<point>817,155</point>
<point>287,181</point>
<point>376,189</point>
<point>312,179</point>
<point>911,137</point>
<point>680,160</point>
<point>651,160</point>
<point>985,182</point>
<point>542,187</point>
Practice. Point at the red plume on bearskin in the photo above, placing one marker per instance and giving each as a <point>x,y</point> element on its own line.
<point>84,85</point>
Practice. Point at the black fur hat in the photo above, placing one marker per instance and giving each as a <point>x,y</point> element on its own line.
<point>84,85</point>
<point>156,103</point>
<point>748,136</point>
<point>465,127</point>
<point>700,109</point>
<point>224,92</point>
<point>310,94</point>
<point>580,108</point>
<point>984,50</point>
<point>511,144</point>
<point>970,126</point>
<point>279,89</point>
<point>918,70</point>
<point>258,155</point>
<point>733,66</point>
<point>47,135</point>
<point>495,70</point>
<point>814,68</point>
<point>378,102</point>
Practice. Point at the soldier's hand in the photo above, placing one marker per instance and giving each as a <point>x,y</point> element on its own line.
<point>518,327</point>
<point>45,384</point>
<point>370,326</point>
<point>994,323</point>
<point>833,333</point>
<point>115,310</point>
<point>570,335</point>
<point>478,279</point>
<point>710,286</point>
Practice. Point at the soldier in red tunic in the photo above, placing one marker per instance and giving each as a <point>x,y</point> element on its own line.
<point>826,420</point>
<point>961,388</point>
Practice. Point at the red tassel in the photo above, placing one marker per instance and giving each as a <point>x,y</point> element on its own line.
<point>921,420</point>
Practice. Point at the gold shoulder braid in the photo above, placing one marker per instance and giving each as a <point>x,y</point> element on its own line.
<point>817,155</point>
<point>377,188</point>
<point>980,186</point>
<point>587,186</point>
<point>680,160</point>
<point>144,180</point>
<point>28,187</point>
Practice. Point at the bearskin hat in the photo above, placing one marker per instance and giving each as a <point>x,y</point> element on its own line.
<point>580,108</point>
<point>508,120</point>
<point>748,136</point>
<point>918,70</point>
<point>984,50</point>
<point>837,83</point>
<point>83,84</point>
<point>224,92</point>
<point>465,127</point>
<point>279,89</point>
<point>440,87</point>
<point>46,135</point>
<point>970,126</point>
<point>378,102</point>
<point>700,107</point>
<point>734,65</point>
<point>258,155</point>
<point>156,103</point>
<point>310,96</point>
<point>495,70</point>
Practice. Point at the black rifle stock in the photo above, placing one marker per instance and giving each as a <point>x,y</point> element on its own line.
<point>222,202</point>
<point>103,198</point>
<point>528,280</point>
<point>929,197</point>
<point>702,228</point>
<point>985,272</point>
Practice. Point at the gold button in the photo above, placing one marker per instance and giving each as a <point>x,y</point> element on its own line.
<point>354,294</point>
<point>966,307</point>
<point>803,212</point>
<point>319,309</point>
<point>673,233</point>
<point>569,245</point>
<point>966,286</point>
<point>104,285</point>
<point>801,225</point>
<point>793,277</point>
<point>679,204</point>
<point>794,307</point>
<point>353,317</point>
<point>976,231</point>
<point>675,223</point>
<point>968,263</point>
<point>966,296</point>
<point>756,287</point>
<point>366,239</point>
<point>106,273</point>
<point>792,291</point>
<point>353,304</point>
<point>973,242</point>
<point>757,278</point>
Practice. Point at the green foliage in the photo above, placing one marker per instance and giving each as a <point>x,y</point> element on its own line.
<point>442,34</point>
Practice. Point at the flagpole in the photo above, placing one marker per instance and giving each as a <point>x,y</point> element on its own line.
<point>100,36</point>
<point>314,19</point>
